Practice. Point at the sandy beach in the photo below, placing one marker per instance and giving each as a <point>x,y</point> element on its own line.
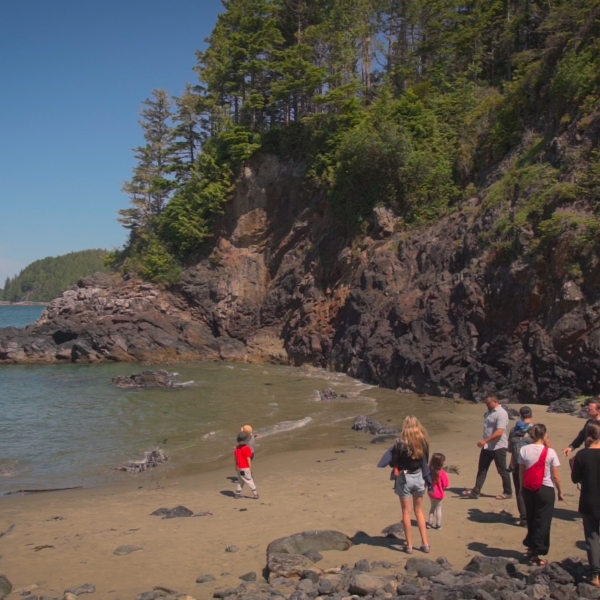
<point>62,539</point>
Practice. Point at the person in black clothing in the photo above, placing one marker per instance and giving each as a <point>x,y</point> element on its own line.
<point>586,470</point>
<point>410,458</point>
<point>517,438</point>
<point>583,435</point>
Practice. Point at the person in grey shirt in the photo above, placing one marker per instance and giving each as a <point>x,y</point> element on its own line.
<point>494,447</point>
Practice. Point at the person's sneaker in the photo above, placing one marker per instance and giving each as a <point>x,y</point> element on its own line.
<point>237,495</point>
<point>438,527</point>
<point>429,525</point>
<point>256,496</point>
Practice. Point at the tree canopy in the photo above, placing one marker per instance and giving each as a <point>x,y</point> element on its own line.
<point>46,279</point>
<point>405,103</point>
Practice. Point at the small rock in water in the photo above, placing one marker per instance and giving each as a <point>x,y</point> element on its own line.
<point>251,576</point>
<point>205,578</point>
<point>231,548</point>
<point>148,379</point>
<point>127,549</point>
<point>327,394</point>
<point>152,459</point>
<point>369,425</point>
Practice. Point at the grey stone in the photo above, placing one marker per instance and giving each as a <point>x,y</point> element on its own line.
<point>146,596</point>
<point>285,565</point>
<point>313,576</point>
<point>537,591</point>
<point>224,593</point>
<point>86,588</point>
<point>313,555</point>
<point>396,530</point>
<point>250,576</point>
<point>363,565</point>
<point>178,511</point>
<point>488,565</point>
<point>5,586</point>
<point>205,578</point>
<point>408,589</point>
<point>444,578</point>
<point>128,549</point>
<point>319,540</point>
<point>231,548</point>
<point>423,567</point>
<point>590,592</point>
<point>364,584</point>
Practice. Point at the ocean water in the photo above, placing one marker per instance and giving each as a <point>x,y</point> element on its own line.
<point>67,425</point>
<point>19,316</point>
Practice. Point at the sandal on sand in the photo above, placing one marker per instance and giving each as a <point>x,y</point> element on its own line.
<point>408,549</point>
<point>469,494</point>
<point>503,497</point>
<point>425,548</point>
<point>256,496</point>
<point>595,581</point>
<point>536,561</point>
<point>237,496</point>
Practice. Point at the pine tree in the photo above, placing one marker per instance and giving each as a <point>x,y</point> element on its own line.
<point>150,187</point>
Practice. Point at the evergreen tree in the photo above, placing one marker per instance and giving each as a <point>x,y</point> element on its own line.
<point>150,187</point>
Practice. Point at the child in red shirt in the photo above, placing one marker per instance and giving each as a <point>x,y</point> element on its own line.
<point>243,464</point>
<point>440,482</point>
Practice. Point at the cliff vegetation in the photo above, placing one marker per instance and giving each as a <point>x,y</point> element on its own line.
<point>415,105</point>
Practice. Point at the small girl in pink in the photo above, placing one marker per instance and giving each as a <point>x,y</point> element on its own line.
<point>441,481</point>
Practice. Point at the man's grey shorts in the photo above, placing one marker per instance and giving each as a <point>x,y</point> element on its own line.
<point>414,486</point>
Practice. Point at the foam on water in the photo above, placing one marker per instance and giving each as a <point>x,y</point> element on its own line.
<point>285,426</point>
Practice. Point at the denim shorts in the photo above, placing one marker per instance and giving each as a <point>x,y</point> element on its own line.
<point>414,486</point>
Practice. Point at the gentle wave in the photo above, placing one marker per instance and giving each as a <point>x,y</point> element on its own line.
<point>285,426</point>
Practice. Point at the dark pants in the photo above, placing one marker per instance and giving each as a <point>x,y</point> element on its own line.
<point>486,457</point>
<point>520,502</point>
<point>539,506</point>
<point>591,530</point>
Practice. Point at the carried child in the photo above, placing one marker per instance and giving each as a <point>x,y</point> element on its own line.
<point>441,481</point>
<point>243,464</point>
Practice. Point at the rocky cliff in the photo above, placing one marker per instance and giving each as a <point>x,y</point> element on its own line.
<point>430,310</point>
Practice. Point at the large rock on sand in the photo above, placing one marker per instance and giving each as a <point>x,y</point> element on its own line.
<point>5,586</point>
<point>318,540</point>
<point>283,564</point>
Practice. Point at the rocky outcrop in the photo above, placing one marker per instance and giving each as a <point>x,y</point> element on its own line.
<point>148,379</point>
<point>434,310</point>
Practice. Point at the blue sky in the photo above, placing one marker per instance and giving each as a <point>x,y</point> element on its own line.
<point>73,75</point>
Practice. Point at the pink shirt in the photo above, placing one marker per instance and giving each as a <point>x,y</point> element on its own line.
<point>438,488</point>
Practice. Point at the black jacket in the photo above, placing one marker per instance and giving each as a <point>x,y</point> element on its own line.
<point>581,436</point>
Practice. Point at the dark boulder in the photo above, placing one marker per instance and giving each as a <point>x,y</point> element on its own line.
<point>370,425</point>
<point>318,540</point>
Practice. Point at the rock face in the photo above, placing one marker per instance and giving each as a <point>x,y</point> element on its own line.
<point>434,310</point>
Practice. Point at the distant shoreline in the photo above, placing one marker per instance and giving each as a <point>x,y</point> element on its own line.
<point>5,303</point>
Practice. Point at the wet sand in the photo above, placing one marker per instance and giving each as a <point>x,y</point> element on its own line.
<point>65,539</point>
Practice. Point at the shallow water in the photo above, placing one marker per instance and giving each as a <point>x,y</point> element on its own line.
<point>19,316</point>
<point>66,425</point>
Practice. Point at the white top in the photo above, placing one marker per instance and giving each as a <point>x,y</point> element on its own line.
<point>531,453</point>
<point>495,419</point>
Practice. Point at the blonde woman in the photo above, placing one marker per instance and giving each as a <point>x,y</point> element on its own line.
<point>410,457</point>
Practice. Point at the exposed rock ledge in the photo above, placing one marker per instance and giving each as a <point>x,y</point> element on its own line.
<point>429,310</point>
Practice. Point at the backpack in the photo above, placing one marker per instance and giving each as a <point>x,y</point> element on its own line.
<point>518,440</point>
<point>534,476</point>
